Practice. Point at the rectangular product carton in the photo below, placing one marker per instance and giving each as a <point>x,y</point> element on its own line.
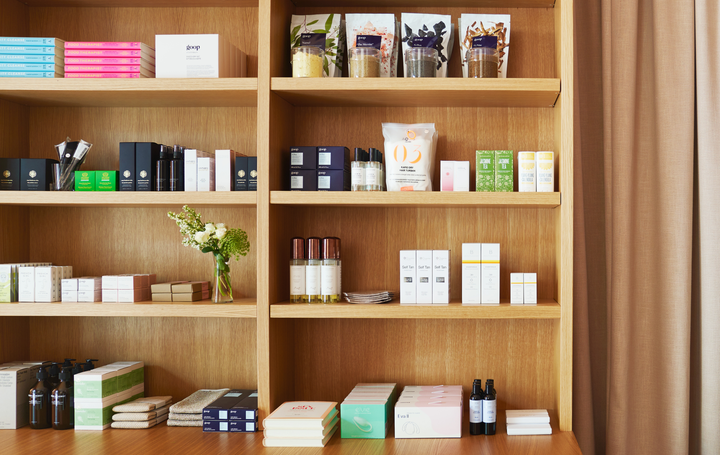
<point>408,272</point>
<point>241,173</point>
<point>197,56</point>
<point>26,284</point>
<point>424,280</point>
<point>15,383</point>
<point>303,180</point>
<point>333,158</point>
<point>36,174</point>
<point>435,419</point>
<point>106,180</point>
<point>527,172</point>
<point>490,279</point>
<point>127,166</point>
<point>304,158</point>
<point>10,174</point>
<point>247,409</point>
<point>146,155</point>
<point>485,170</point>
<point>441,277</point>
<point>84,180</point>
<point>530,288</point>
<point>94,414</point>
<point>516,288</point>
<point>504,171</point>
<point>471,262</point>
<point>206,173</point>
<point>224,170</point>
<point>220,408</point>
<point>98,384</point>
<point>333,180</point>
<point>545,172</point>
<point>252,173</point>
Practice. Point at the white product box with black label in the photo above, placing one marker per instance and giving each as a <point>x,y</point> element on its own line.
<point>441,277</point>
<point>408,274</point>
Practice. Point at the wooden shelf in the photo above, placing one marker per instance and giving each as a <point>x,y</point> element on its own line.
<point>401,92</point>
<point>240,308</point>
<point>431,3</point>
<point>226,92</point>
<point>415,199</point>
<point>143,3</point>
<point>545,309</point>
<point>129,198</point>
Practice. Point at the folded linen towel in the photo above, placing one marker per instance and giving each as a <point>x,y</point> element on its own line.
<point>144,404</point>
<point>140,416</point>
<point>139,425</point>
<point>195,403</point>
<point>184,423</point>
<point>184,416</point>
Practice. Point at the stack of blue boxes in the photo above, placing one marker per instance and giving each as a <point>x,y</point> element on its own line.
<point>32,57</point>
<point>234,412</point>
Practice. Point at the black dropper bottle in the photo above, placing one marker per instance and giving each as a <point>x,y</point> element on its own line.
<point>476,408</point>
<point>490,407</point>
<point>177,169</point>
<point>39,402</point>
<point>89,364</point>
<point>63,402</point>
<point>53,375</point>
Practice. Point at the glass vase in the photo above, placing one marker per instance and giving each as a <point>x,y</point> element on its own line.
<point>222,292</point>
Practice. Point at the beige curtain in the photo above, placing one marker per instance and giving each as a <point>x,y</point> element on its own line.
<point>635,128</point>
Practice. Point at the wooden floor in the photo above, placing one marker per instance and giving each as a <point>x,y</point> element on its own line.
<point>167,440</point>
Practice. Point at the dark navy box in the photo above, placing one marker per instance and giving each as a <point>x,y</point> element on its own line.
<point>303,180</point>
<point>127,166</point>
<point>335,158</point>
<point>253,173</point>
<point>10,174</point>
<point>230,426</point>
<point>333,180</point>
<point>303,158</point>
<point>241,173</point>
<point>146,155</point>
<point>36,174</point>
<point>247,409</point>
<point>220,408</point>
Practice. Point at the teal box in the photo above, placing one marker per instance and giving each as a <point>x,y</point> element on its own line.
<point>366,419</point>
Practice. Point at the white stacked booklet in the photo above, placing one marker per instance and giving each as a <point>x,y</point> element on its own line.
<point>301,424</point>
<point>528,422</point>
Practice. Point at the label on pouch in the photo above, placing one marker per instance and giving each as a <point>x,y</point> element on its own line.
<point>476,411</point>
<point>329,280</point>
<point>297,280</point>
<point>489,411</point>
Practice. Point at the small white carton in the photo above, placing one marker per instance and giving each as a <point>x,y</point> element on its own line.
<point>408,273</point>
<point>424,276</point>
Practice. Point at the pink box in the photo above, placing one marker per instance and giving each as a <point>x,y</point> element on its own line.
<point>102,61</point>
<point>110,45</point>
<point>441,419</point>
<point>444,396</point>
<point>431,388</point>
<point>108,53</point>
<point>102,68</point>
<point>103,75</point>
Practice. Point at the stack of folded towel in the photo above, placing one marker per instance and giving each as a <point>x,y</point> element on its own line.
<point>141,413</point>
<point>188,412</point>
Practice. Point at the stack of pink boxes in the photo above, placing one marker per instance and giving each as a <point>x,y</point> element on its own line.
<point>119,60</point>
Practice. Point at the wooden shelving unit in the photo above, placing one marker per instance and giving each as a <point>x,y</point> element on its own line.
<point>290,351</point>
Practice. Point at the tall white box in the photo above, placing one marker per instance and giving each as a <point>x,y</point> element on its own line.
<point>516,288</point>
<point>224,170</point>
<point>408,272</point>
<point>471,261</point>
<point>461,176</point>
<point>545,172</point>
<point>424,276</point>
<point>197,56</point>
<point>441,277</point>
<point>490,293</point>
<point>530,288</point>
<point>47,284</point>
<point>26,284</point>
<point>206,173</point>
<point>190,167</point>
<point>527,172</point>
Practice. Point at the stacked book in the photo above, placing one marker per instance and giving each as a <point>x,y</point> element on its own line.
<point>141,413</point>
<point>180,291</point>
<point>31,57</point>
<point>301,424</point>
<point>234,412</point>
<point>118,60</point>
<point>527,422</point>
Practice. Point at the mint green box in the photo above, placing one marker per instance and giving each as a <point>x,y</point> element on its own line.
<point>106,180</point>
<point>364,416</point>
<point>504,171</point>
<point>84,180</point>
<point>98,383</point>
<point>93,414</point>
<point>485,170</point>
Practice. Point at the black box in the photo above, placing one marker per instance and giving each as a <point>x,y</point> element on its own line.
<point>220,408</point>
<point>230,426</point>
<point>241,173</point>
<point>10,174</point>
<point>246,410</point>
<point>334,180</point>
<point>303,158</point>
<point>127,166</point>
<point>335,158</point>
<point>252,171</point>
<point>303,180</point>
<point>146,155</point>
<point>36,174</point>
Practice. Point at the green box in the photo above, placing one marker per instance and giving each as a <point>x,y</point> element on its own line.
<point>125,378</point>
<point>84,180</point>
<point>485,170</point>
<point>504,169</point>
<point>97,383</point>
<point>106,180</point>
<point>369,420</point>
<point>95,416</point>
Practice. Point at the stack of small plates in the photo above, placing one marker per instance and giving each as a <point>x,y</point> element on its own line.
<point>369,297</point>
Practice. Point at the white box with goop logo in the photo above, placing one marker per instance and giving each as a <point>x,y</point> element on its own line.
<point>197,56</point>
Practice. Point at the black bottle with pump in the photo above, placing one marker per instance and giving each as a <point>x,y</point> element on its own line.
<point>162,169</point>
<point>53,375</point>
<point>88,365</point>
<point>68,363</point>
<point>476,408</point>
<point>39,402</point>
<point>78,368</point>
<point>63,402</point>
<point>490,407</point>
<point>177,169</point>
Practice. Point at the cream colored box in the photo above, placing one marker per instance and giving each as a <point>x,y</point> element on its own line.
<point>527,172</point>
<point>530,288</point>
<point>516,288</point>
<point>545,172</point>
<point>490,274</point>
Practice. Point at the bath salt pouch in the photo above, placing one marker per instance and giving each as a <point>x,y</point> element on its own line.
<point>429,25</point>
<point>331,25</point>
<point>409,156</point>
<point>383,25</point>
<point>472,25</point>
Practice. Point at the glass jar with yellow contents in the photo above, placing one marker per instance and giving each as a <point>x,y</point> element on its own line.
<point>307,61</point>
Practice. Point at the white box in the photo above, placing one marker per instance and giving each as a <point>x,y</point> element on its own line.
<point>197,56</point>
<point>47,284</point>
<point>89,283</point>
<point>462,176</point>
<point>441,277</point>
<point>224,170</point>
<point>110,282</point>
<point>69,296</point>
<point>206,173</point>
<point>516,288</point>
<point>471,261</point>
<point>90,296</point>
<point>130,295</point>
<point>436,419</point>
<point>26,284</point>
<point>6,287</point>
<point>545,172</point>
<point>424,274</point>
<point>109,295</point>
<point>190,168</point>
<point>132,282</point>
<point>490,293</point>
<point>530,288</point>
<point>69,284</point>
<point>527,172</point>
<point>15,383</point>
<point>408,273</point>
